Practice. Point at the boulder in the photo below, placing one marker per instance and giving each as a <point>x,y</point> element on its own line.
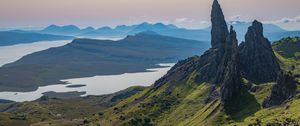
<point>284,89</point>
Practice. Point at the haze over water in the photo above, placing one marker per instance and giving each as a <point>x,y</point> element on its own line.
<point>12,53</point>
<point>97,85</point>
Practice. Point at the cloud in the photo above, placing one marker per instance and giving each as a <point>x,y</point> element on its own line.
<point>235,18</point>
<point>297,19</point>
<point>184,20</point>
<point>190,23</point>
<point>287,23</point>
<point>286,20</point>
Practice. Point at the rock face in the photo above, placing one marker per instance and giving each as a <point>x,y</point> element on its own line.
<point>284,89</point>
<point>258,62</point>
<point>219,30</point>
<point>179,73</point>
<point>213,62</point>
<point>217,66</point>
<point>231,85</point>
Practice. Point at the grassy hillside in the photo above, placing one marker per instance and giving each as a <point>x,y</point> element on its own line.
<point>288,52</point>
<point>182,102</point>
<point>188,103</point>
<point>188,106</point>
<point>66,111</point>
<point>288,47</point>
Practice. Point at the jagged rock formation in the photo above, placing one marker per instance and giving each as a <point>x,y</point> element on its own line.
<point>217,66</point>
<point>209,66</point>
<point>258,62</point>
<point>213,63</point>
<point>284,89</point>
<point>231,86</point>
<point>179,73</point>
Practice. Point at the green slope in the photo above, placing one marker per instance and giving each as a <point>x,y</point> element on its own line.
<point>60,111</point>
<point>287,51</point>
<point>181,102</point>
<point>187,104</point>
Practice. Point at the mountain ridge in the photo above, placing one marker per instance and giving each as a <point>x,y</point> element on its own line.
<point>18,37</point>
<point>272,31</point>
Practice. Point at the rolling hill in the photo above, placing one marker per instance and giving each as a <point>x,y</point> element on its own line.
<point>88,57</point>
<point>253,83</point>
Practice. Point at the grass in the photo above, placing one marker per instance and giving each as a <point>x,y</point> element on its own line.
<point>188,106</point>
<point>287,51</point>
<point>278,114</point>
<point>186,109</point>
<point>173,104</point>
<point>56,111</point>
<point>287,47</point>
<point>289,64</point>
<point>160,107</point>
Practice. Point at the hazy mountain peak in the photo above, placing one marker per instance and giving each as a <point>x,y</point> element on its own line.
<point>89,28</point>
<point>74,27</point>
<point>53,25</point>
<point>105,28</point>
<point>159,24</point>
<point>121,26</point>
<point>145,23</point>
<point>66,27</point>
<point>148,32</point>
<point>172,26</point>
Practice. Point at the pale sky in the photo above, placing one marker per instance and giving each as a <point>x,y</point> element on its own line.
<point>184,13</point>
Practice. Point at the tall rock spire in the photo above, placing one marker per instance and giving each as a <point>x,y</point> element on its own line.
<point>218,66</point>
<point>219,29</point>
<point>231,86</point>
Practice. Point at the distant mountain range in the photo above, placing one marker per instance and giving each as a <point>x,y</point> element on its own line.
<point>55,32</point>
<point>64,30</point>
<point>273,32</point>
<point>89,57</point>
<point>124,30</point>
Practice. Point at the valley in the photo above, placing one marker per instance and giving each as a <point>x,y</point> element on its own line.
<point>89,57</point>
<point>233,72</point>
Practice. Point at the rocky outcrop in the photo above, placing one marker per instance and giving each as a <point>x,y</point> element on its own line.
<point>284,89</point>
<point>213,62</point>
<point>258,62</point>
<point>217,66</point>
<point>231,85</point>
<point>209,67</point>
<point>219,30</point>
<point>179,73</point>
